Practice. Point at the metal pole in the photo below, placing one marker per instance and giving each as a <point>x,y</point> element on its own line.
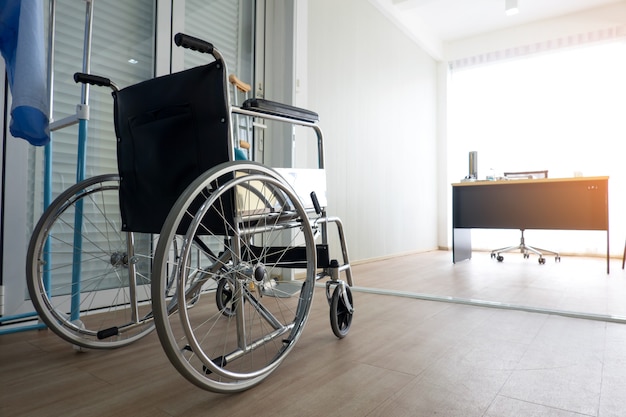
<point>47,186</point>
<point>83,112</point>
<point>81,164</point>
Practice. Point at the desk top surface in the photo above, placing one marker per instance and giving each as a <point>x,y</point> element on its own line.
<point>526,181</point>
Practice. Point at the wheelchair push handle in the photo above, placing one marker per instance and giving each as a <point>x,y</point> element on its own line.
<point>81,77</point>
<point>195,44</point>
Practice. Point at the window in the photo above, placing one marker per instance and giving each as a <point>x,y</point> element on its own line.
<point>561,111</point>
<point>227,24</point>
<point>122,50</point>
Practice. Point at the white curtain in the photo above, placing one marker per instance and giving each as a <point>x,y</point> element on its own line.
<point>552,45</point>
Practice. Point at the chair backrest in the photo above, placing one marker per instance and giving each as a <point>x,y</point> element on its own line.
<point>169,129</point>
<point>526,175</point>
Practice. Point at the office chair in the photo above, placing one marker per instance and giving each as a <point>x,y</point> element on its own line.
<point>523,247</point>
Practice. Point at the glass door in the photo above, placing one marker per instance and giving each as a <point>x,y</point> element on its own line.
<point>129,42</point>
<point>120,42</point>
<point>227,24</point>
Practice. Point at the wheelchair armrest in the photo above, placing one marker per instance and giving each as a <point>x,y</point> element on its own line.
<point>279,109</point>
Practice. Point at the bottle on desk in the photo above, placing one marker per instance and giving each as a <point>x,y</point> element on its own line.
<point>491,175</point>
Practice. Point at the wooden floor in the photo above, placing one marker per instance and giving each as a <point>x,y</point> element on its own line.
<point>404,356</point>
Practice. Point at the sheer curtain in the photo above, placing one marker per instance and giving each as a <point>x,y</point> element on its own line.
<point>560,110</point>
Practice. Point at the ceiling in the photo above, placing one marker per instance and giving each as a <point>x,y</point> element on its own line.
<point>450,20</point>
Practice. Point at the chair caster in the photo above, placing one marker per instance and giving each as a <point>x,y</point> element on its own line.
<point>500,258</point>
<point>542,261</point>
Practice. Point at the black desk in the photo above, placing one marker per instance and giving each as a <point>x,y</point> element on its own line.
<point>580,203</point>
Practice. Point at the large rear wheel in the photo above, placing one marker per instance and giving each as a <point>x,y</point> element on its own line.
<point>88,280</point>
<point>248,263</point>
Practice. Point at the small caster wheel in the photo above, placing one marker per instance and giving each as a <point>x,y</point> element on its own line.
<point>542,261</point>
<point>340,313</point>
<point>557,259</point>
<point>224,297</point>
<point>500,258</point>
<point>493,255</point>
<point>526,256</point>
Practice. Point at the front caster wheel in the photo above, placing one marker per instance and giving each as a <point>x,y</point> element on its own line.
<point>224,297</point>
<point>542,261</point>
<point>500,258</point>
<point>340,313</point>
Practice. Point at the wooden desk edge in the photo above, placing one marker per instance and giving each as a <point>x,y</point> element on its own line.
<point>533,181</point>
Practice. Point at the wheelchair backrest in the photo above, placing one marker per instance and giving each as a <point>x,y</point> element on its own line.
<point>170,129</point>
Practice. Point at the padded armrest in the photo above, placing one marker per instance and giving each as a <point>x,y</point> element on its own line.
<point>279,109</point>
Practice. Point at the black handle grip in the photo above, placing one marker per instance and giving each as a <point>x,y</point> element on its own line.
<point>195,44</point>
<point>80,77</point>
<point>316,203</point>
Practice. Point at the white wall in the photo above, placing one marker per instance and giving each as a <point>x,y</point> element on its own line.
<point>376,93</point>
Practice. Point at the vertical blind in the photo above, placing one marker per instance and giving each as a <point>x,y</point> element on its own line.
<point>217,22</point>
<point>122,49</point>
<point>229,26</point>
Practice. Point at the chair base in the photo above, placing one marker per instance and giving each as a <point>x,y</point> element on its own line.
<point>525,250</point>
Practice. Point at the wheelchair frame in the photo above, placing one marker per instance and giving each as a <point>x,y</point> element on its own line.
<point>240,231</point>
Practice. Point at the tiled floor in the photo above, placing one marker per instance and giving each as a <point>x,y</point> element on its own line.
<point>490,362</point>
<point>403,357</point>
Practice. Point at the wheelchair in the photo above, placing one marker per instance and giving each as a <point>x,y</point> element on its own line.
<point>221,256</point>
